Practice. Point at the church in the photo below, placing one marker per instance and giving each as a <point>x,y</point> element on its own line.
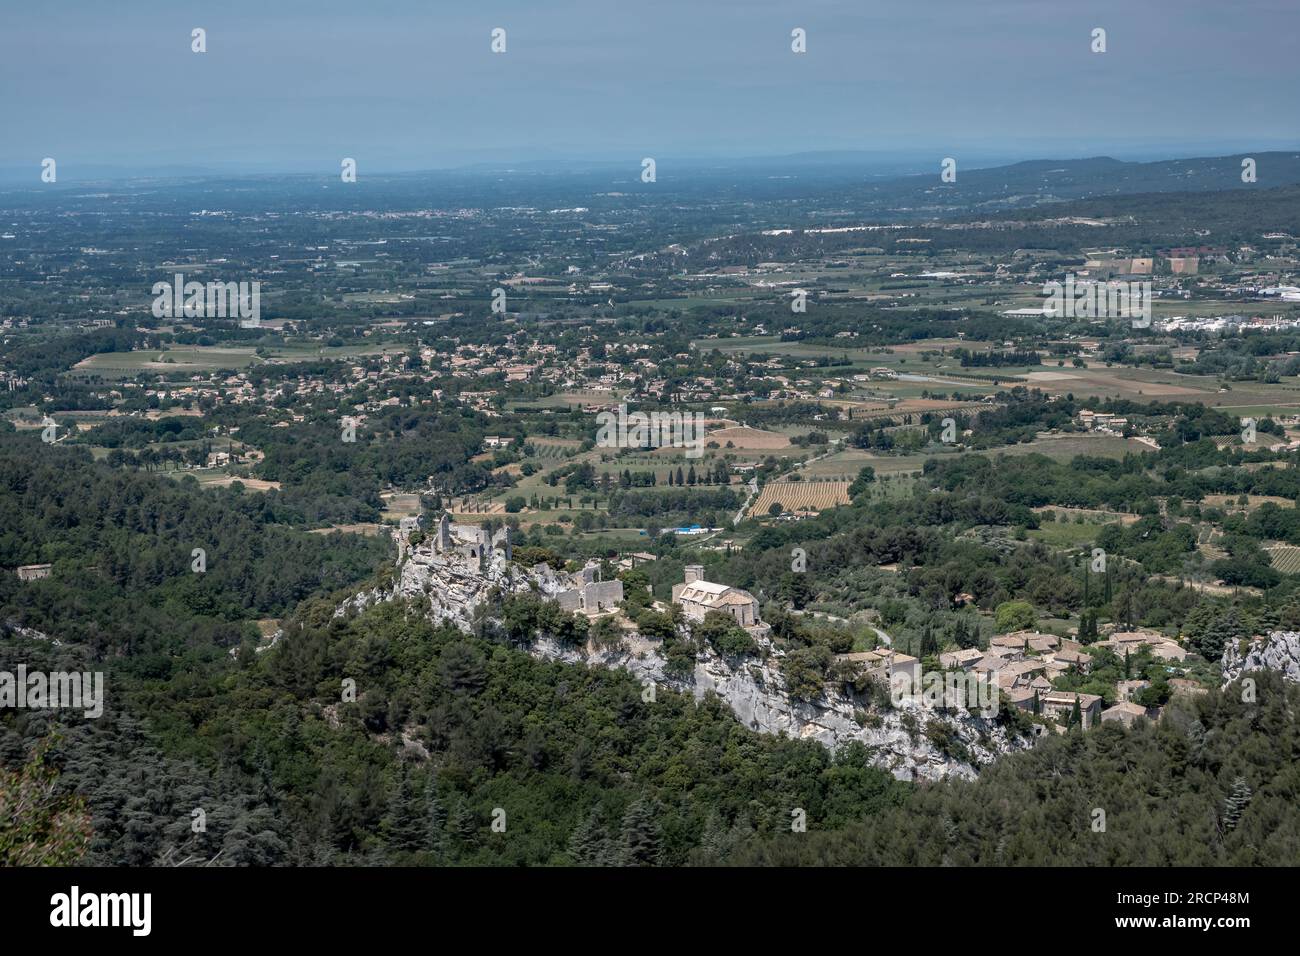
<point>698,597</point>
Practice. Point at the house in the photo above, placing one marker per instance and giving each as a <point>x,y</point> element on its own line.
<point>1077,659</point>
<point>1020,674</point>
<point>1125,712</point>
<point>1168,651</point>
<point>1021,697</point>
<point>1182,687</point>
<point>33,572</point>
<point>1018,640</point>
<point>1128,689</point>
<point>1122,643</point>
<point>882,664</point>
<point>960,660</point>
<point>698,597</point>
<point>1060,705</point>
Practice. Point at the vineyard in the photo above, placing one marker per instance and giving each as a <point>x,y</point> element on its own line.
<point>801,495</point>
<point>1285,558</point>
<point>554,449</point>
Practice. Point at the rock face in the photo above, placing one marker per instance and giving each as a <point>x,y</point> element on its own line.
<point>456,585</point>
<point>754,689</point>
<point>13,627</point>
<point>1280,652</point>
<point>903,740</point>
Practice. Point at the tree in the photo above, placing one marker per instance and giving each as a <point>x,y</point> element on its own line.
<point>1209,637</point>
<point>39,824</point>
<point>1235,804</point>
<point>589,845</point>
<point>404,825</point>
<point>775,508</point>
<point>1088,627</point>
<point>1014,616</point>
<point>862,484</point>
<point>642,841</point>
<point>965,636</point>
<point>435,818</point>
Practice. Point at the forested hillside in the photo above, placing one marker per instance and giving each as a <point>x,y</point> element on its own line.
<point>122,548</point>
<point>448,728</point>
<point>1214,783</point>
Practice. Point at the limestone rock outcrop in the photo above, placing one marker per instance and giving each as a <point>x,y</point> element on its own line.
<point>910,741</point>
<point>1279,651</point>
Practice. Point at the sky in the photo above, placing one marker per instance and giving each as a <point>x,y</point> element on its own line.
<point>296,85</point>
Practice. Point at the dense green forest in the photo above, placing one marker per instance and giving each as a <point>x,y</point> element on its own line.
<point>122,543</point>
<point>1214,783</point>
<point>448,729</point>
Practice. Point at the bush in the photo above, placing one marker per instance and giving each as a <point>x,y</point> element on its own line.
<point>724,635</point>
<point>1014,616</point>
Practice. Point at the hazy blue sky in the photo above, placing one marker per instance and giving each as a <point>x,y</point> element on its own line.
<point>403,84</point>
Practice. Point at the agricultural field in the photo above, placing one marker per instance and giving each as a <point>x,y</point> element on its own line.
<point>202,359</point>
<point>1284,558</point>
<point>553,450</point>
<point>1252,502</point>
<point>1066,534</point>
<point>1088,515</point>
<point>399,505</point>
<point>750,439</point>
<point>801,496</point>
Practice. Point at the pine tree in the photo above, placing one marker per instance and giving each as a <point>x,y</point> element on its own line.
<point>403,825</point>
<point>1235,805</point>
<point>642,844</point>
<point>435,819</point>
<point>589,842</point>
<point>714,841</point>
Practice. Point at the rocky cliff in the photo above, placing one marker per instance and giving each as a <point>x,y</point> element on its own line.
<point>1280,652</point>
<point>909,741</point>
